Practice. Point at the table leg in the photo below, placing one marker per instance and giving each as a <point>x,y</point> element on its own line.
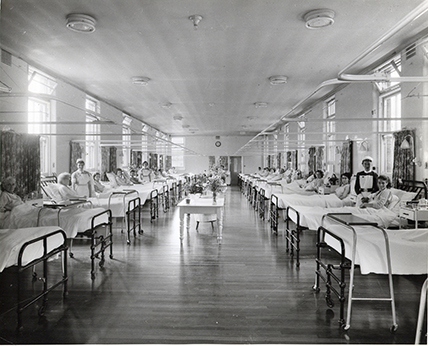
<point>181,226</point>
<point>187,223</point>
<point>220,224</point>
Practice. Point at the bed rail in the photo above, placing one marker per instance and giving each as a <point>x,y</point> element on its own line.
<point>292,236</point>
<point>47,254</point>
<point>413,186</point>
<point>349,222</point>
<point>133,217</point>
<point>154,205</point>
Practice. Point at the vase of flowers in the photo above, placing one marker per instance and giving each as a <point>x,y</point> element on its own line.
<point>215,185</point>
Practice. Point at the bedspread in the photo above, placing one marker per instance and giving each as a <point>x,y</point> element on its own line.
<point>72,220</point>
<point>408,248</point>
<point>11,241</point>
<point>311,217</point>
<point>324,201</point>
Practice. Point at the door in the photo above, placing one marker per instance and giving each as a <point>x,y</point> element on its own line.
<point>235,169</point>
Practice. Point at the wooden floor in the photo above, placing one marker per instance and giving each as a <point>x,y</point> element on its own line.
<point>246,290</point>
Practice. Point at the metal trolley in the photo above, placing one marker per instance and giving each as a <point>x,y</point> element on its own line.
<point>348,221</point>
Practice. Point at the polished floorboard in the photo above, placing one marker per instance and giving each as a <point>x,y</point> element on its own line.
<point>246,290</point>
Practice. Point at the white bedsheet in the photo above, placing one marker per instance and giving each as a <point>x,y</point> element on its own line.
<point>409,249</point>
<point>72,220</point>
<point>311,217</point>
<point>324,201</point>
<point>11,241</point>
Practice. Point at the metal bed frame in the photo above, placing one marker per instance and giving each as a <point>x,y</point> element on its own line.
<point>421,313</point>
<point>23,304</point>
<point>133,218</point>
<point>348,221</point>
<point>293,235</point>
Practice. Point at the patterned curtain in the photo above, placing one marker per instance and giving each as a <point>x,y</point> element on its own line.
<point>404,168</point>
<point>294,160</point>
<point>113,160</point>
<point>77,151</point>
<point>136,158</point>
<point>319,155</point>
<point>155,161</point>
<point>20,158</point>
<point>346,158</point>
<point>312,159</point>
<point>211,162</point>
<point>160,161</point>
<point>168,162</point>
<point>279,161</point>
<point>224,161</point>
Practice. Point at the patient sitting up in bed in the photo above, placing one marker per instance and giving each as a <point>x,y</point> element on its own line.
<point>316,183</point>
<point>64,190</point>
<point>381,198</point>
<point>344,189</point>
<point>8,200</point>
<point>122,179</point>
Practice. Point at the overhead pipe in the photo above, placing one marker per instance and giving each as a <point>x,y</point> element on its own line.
<point>344,78</point>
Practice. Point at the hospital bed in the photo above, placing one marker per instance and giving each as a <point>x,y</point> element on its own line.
<point>373,249</point>
<point>300,217</point>
<point>25,248</point>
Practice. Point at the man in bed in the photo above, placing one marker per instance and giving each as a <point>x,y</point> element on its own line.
<point>366,180</point>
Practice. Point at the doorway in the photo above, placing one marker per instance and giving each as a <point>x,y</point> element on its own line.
<point>235,169</point>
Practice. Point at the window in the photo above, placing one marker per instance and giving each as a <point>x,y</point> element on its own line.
<point>389,107</point>
<point>177,152</point>
<point>329,134</point>
<point>301,137</point>
<point>39,116</point>
<point>126,140</point>
<point>93,148</point>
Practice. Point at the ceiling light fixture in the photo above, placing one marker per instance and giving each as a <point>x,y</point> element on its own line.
<point>166,105</point>
<point>317,19</point>
<point>82,23</point>
<point>178,117</point>
<point>140,80</point>
<point>195,19</point>
<point>278,80</point>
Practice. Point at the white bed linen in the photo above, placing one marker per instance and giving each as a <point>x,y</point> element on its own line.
<point>408,248</point>
<point>311,217</point>
<point>72,220</point>
<point>324,201</point>
<point>11,241</point>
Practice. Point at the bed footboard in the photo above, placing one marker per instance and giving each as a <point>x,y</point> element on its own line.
<point>154,205</point>
<point>133,218</point>
<point>47,254</point>
<point>292,236</point>
<point>274,214</point>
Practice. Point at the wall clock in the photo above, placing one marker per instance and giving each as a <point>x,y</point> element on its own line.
<point>217,144</point>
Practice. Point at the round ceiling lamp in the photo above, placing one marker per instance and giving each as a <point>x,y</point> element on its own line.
<point>317,19</point>
<point>82,23</point>
<point>278,80</point>
<point>140,80</point>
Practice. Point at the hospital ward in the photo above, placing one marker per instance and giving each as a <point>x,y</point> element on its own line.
<point>213,172</point>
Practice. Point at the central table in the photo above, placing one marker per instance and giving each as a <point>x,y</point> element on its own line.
<point>201,205</point>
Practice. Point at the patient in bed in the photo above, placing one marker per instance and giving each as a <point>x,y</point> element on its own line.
<point>8,200</point>
<point>64,190</point>
<point>380,199</point>
<point>344,189</point>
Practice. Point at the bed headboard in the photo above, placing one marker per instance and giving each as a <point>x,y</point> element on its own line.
<point>44,184</point>
<point>414,186</point>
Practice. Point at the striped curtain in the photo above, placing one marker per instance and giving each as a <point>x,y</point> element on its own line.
<point>20,158</point>
<point>77,151</point>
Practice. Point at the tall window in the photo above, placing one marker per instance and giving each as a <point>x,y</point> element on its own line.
<point>39,116</point>
<point>389,107</point>
<point>301,138</point>
<point>93,148</point>
<point>177,152</point>
<point>329,134</point>
<point>126,140</point>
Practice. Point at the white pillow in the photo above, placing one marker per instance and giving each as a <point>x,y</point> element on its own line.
<point>395,204</point>
<point>403,195</point>
<point>112,179</point>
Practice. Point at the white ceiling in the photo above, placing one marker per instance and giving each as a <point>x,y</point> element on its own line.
<point>212,76</point>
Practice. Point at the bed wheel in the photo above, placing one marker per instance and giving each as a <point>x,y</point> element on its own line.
<point>128,242</point>
<point>329,302</point>
<point>92,276</point>
<point>111,256</point>
<point>34,277</point>
<point>71,255</point>
<point>140,231</point>
<point>346,326</point>
<point>315,288</point>
<point>394,328</point>
<point>101,264</point>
